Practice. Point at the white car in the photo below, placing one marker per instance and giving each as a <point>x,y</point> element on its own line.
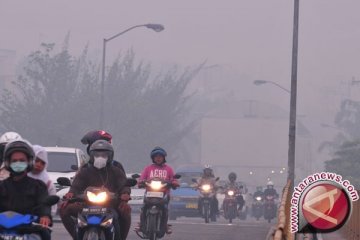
<point>64,162</point>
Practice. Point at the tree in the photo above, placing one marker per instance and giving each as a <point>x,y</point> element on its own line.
<point>55,100</point>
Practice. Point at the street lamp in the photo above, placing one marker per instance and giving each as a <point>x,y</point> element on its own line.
<point>262,82</point>
<point>155,27</point>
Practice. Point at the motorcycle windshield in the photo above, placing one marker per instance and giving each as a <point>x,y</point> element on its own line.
<point>13,219</point>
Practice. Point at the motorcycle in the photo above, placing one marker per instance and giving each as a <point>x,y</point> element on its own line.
<point>155,201</point>
<point>16,226</point>
<point>207,194</point>
<point>230,204</point>
<point>96,221</point>
<point>269,208</point>
<point>257,207</point>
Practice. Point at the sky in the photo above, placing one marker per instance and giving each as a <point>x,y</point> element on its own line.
<point>252,39</point>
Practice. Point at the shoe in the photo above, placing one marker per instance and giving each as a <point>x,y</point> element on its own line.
<point>137,228</point>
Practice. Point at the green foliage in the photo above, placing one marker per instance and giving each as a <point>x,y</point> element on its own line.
<point>56,99</point>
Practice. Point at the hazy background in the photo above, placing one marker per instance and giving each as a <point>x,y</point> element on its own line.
<point>248,40</point>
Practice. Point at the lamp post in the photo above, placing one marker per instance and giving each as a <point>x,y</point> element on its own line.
<point>261,82</point>
<point>155,27</point>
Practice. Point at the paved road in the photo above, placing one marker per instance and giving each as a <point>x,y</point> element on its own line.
<point>193,228</point>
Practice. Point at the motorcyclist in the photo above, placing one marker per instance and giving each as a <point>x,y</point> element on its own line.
<point>99,172</point>
<point>92,136</point>
<point>258,193</point>
<point>158,169</point>
<point>4,139</point>
<point>238,188</point>
<point>20,193</point>
<point>270,190</point>
<point>209,177</point>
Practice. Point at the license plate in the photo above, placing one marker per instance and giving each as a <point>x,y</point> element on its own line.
<point>191,205</point>
<point>94,210</point>
<point>155,194</point>
<point>11,237</point>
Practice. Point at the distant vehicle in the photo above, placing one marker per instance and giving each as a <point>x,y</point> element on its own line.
<point>184,200</point>
<point>137,196</point>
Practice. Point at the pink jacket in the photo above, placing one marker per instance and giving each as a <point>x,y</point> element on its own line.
<point>163,172</point>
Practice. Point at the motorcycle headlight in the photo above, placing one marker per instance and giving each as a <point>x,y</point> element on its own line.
<point>206,187</point>
<point>107,222</point>
<point>231,193</point>
<point>96,198</point>
<point>156,185</point>
<point>258,198</point>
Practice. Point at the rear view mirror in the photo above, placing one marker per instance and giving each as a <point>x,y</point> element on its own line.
<point>135,176</point>
<point>51,200</point>
<point>177,176</point>
<point>63,181</point>
<point>194,180</point>
<point>130,182</point>
<point>74,167</point>
<point>217,179</point>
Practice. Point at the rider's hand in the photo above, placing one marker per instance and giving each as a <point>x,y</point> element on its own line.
<point>66,197</point>
<point>125,197</point>
<point>124,208</point>
<point>141,184</point>
<point>45,221</point>
<point>175,184</point>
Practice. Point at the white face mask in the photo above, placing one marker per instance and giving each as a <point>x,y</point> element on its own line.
<point>100,162</point>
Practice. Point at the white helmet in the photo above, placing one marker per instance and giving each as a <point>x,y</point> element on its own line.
<point>9,137</point>
<point>270,183</point>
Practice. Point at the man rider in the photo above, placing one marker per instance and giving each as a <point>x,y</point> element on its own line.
<point>209,177</point>
<point>232,184</point>
<point>158,169</point>
<point>258,193</point>
<point>19,192</point>
<point>92,136</point>
<point>270,190</point>
<point>99,172</point>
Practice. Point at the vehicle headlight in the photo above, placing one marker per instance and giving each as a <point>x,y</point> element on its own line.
<point>206,187</point>
<point>156,185</point>
<point>96,198</point>
<point>258,198</point>
<point>107,223</point>
<point>231,193</point>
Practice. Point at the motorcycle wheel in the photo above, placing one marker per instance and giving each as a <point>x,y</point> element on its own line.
<point>92,234</point>
<point>206,213</point>
<point>153,227</point>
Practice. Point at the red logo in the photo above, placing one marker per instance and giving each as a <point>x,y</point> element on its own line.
<point>326,207</point>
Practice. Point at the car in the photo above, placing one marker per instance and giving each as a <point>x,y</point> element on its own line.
<point>184,200</point>
<point>63,162</point>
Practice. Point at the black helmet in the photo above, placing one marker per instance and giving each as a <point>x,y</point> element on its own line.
<point>232,176</point>
<point>207,171</point>
<point>101,146</point>
<point>158,151</point>
<point>18,146</point>
<point>92,136</point>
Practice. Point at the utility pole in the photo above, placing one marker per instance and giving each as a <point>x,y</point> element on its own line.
<point>292,121</point>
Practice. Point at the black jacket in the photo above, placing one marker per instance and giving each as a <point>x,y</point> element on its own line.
<point>23,196</point>
<point>112,177</point>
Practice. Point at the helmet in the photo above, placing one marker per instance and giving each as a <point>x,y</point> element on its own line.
<point>4,139</point>
<point>259,188</point>
<point>101,146</point>
<point>208,171</point>
<point>158,151</point>
<point>232,176</point>
<point>270,184</point>
<point>18,146</point>
<point>92,136</point>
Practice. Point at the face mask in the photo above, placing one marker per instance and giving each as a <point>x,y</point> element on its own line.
<point>100,162</point>
<point>19,166</point>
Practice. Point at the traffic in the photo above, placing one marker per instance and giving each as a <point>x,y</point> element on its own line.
<point>92,195</point>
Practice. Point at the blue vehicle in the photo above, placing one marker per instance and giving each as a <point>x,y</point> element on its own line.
<point>16,226</point>
<point>184,200</point>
